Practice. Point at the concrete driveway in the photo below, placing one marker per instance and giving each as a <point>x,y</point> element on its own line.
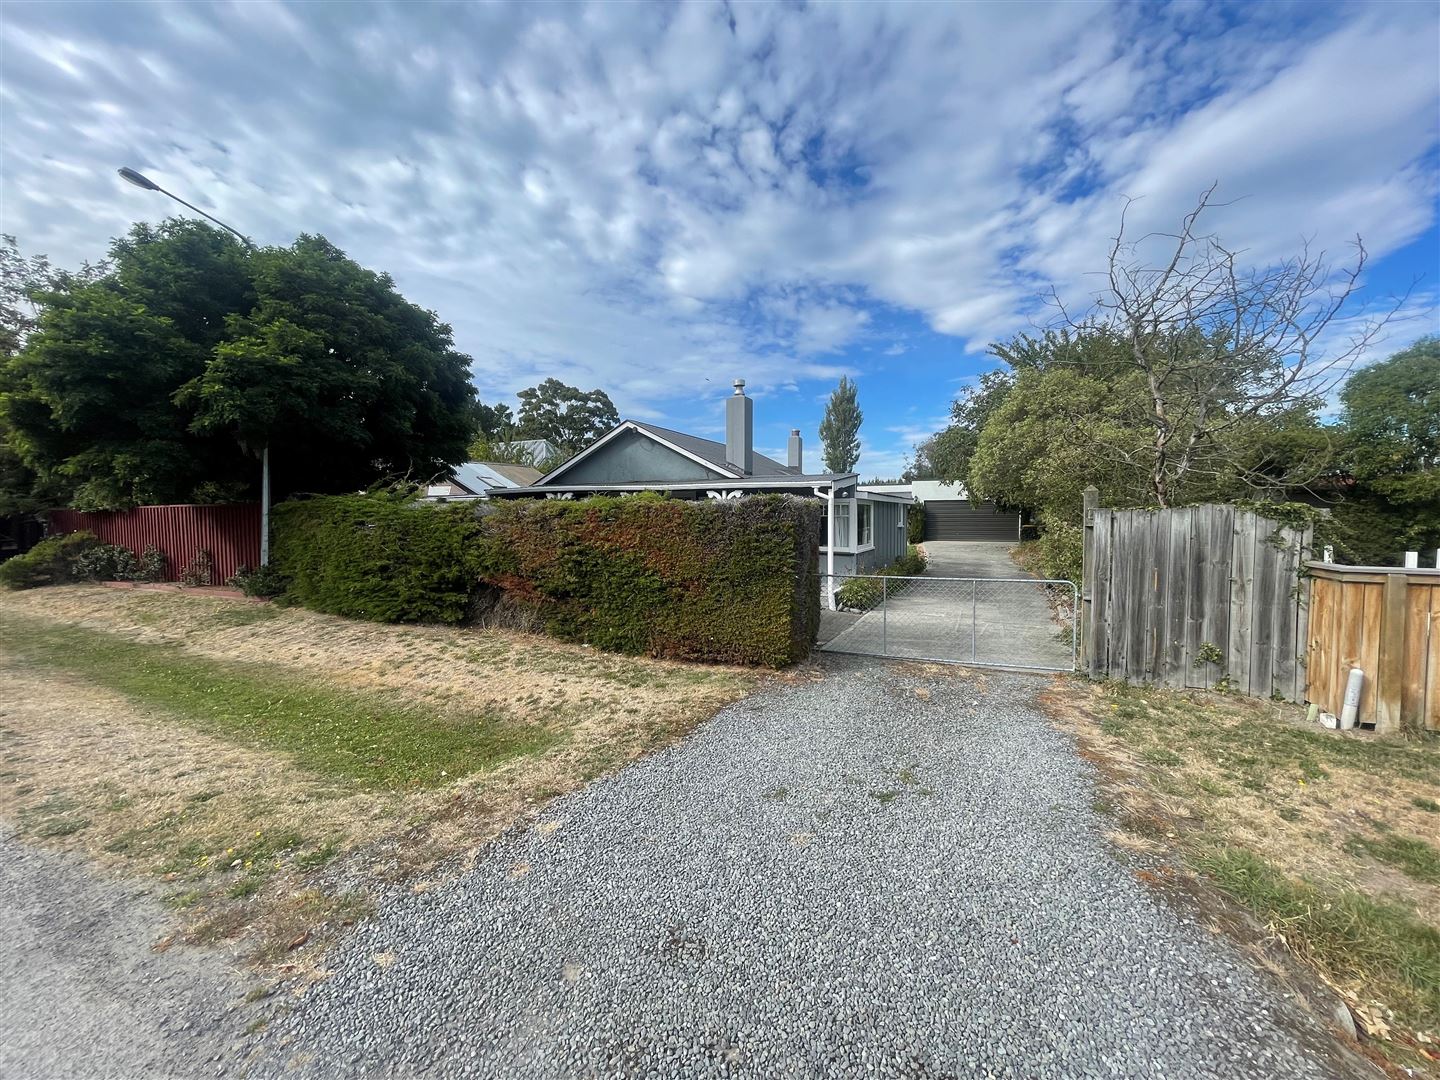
<point>977,619</point>
<point>970,559</point>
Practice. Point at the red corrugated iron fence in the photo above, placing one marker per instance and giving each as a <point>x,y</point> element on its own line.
<point>231,533</point>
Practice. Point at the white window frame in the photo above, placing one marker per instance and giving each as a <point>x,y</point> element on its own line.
<point>848,517</point>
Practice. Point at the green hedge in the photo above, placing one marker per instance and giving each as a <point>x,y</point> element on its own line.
<point>379,556</point>
<point>53,561</point>
<point>724,581</point>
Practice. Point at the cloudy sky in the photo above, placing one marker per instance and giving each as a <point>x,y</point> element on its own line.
<point>656,199</point>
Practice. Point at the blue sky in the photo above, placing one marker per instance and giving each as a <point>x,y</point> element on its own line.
<point>656,199</point>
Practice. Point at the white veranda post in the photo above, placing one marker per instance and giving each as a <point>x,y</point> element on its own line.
<point>829,498</point>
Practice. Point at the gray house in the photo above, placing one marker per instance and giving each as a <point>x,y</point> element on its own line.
<point>864,530</point>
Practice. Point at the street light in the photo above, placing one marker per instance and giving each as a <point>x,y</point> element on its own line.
<point>142,181</point>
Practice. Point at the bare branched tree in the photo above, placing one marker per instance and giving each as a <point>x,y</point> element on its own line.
<point>1220,346</point>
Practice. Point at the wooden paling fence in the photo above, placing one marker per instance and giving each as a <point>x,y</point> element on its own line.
<point>1385,621</point>
<point>230,532</point>
<point>1208,597</point>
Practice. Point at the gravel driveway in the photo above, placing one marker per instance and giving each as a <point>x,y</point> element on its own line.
<point>855,872</point>
<point>83,993</point>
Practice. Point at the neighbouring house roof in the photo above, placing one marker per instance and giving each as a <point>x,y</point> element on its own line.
<point>520,474</point>
<point>477,477</point>
<point>539,449</point>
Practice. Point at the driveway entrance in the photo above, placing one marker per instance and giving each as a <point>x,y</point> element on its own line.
<point>973,606</point>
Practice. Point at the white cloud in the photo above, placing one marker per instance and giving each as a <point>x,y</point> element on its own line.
<point>648,198</point>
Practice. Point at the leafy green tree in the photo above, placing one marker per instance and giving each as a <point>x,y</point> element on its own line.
<point>840,428</point>
<point>1391,420</point>
<point>1390,424</point>
<point>1038,448</point>
<point>943,456</point>
<point>495,422</point>
<point>570,418</point>
<point>161,380</point>
<point>1221,347</point>
<point>946,454</point>
<point>22,280</point>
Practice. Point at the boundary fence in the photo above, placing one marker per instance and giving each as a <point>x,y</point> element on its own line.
<point>230,532</point>
<point>1385,621</point>
<point>1207,597</point>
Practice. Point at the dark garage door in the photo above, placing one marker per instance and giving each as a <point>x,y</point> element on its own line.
<point>956,519</point>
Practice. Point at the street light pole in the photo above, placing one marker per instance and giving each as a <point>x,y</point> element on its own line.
<point>142,181</point>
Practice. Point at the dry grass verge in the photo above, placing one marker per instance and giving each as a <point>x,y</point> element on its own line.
<point>271,768</point>
<point>1328,839</point>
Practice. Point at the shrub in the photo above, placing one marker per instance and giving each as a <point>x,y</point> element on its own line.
<point>198,571</point>
<point>727,581</point>
<point>911,564</point>
<point>859,594</point>
<point>263,581</point>
<point>915,523</point>
<point>105,562</point>
<point>152,565</point>
<point>1057,552</point>
<point>731,581</point>
<point>865,592</point>
<point>50,562</point>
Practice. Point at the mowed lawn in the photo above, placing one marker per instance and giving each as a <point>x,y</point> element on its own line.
<point>1331,840</point>
<point>271,768</point>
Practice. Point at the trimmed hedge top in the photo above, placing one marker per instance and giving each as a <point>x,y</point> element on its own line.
<point>726,581</point>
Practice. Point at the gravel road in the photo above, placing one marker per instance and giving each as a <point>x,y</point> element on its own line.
<point>868,873</point>
<point>83,994</point>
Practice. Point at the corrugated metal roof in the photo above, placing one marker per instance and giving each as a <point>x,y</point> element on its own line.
<point>476,476</point>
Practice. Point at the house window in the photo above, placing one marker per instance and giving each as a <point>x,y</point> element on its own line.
<point>865,517</point>
<point>842,523</point>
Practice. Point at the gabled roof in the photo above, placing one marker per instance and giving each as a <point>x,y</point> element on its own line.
<point>714,452</point>
<point>706,452</point>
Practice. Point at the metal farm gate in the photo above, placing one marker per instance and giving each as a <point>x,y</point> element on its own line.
<point>1021,623</point>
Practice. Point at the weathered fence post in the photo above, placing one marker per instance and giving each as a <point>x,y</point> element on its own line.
<point>1091,498</point>
<point>1391,674</point>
